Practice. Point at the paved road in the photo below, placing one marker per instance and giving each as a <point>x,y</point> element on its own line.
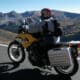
<point>10,71</point>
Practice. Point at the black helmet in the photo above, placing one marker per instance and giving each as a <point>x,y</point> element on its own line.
<point>45,13</point>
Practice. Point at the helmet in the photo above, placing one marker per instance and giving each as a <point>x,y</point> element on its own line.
<point>45,13</point>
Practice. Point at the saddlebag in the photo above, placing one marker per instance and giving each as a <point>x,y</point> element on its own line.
<point>59,57</point>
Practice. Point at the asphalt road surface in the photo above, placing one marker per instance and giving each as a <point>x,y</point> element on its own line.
<point>25,71</point>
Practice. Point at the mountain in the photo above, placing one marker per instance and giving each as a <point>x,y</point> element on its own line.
<point>69,21</point>
<point>13,16</point>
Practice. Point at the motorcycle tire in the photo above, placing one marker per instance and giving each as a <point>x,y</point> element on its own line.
<point>73,71</point>
<point>16,54</point>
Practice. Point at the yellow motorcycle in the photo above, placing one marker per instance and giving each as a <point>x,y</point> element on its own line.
<point>63,57</point>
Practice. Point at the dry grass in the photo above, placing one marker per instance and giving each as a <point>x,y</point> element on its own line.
<point>6,37</point>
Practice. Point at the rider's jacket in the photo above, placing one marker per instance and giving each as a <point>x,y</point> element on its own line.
<point>46,26</point>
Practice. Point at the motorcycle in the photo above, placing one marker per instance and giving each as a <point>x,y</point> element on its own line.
<point>62,57</point>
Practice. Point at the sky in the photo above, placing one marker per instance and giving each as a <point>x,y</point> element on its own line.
<point>29,5</point>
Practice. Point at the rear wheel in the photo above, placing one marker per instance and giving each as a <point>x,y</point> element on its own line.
<point>16,52</point>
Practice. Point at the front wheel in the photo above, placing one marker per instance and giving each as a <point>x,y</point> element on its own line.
<point>16,52</point>
<point>70,71</point>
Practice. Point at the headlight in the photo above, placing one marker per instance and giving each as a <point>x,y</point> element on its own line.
<point>19,40</point>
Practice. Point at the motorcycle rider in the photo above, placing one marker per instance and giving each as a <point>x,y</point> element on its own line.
<point>50,29</point>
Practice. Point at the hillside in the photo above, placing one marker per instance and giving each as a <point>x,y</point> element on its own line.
<point>6,36</point>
